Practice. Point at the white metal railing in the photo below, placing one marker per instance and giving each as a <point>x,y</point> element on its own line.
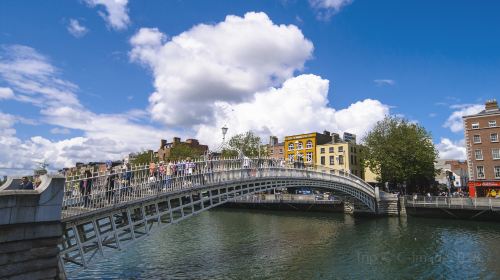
<point>479,203</point>
<point>93,191</point>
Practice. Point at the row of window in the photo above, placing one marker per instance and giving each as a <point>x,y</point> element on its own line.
<point>480,172</point>
<point>495,153</point>
<point>309,145</point>
<point>300,157</point>
<point>331,150</point>
<point>493,138</point>
<point>490,124</point>
<point>340,160</point>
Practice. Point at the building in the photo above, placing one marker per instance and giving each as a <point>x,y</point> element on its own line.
<point>341,154</point>
<point>453,173</point>
<point>483,150</point>
<point>274,149</point>
<point>302,147</point>
<point>165,149</point>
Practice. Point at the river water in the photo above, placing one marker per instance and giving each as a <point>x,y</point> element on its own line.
<point>250,244</point>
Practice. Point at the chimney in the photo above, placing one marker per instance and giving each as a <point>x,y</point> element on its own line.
<point>326,132</point>
<point>176,140</point>
<point>491,105</point>
<point>273,140</point>
<point>163,143</point>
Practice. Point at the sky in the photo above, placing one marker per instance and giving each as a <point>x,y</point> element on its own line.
<point>93,80</point>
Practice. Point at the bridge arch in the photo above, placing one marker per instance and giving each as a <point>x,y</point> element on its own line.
<point>98,223</point>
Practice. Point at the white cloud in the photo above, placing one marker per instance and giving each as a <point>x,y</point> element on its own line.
<point>103,136</point>
<point>58,130</point>
<point>455,122</point>
<point>116,15</point>
<point>299,106</point>
<point>449,149</point>
<point>76,29</point>
<point>225,62</point>
<point>6,93</point>
<point>327,8</point>
<point>384,82</point>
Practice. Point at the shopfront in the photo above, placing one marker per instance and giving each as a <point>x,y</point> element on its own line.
<point>484,189</point>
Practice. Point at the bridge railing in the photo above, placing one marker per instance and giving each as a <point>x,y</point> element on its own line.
<point>92,191</point>
<point>452,202</point>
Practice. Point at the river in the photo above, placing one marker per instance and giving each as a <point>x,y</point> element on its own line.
<point>250,244</point>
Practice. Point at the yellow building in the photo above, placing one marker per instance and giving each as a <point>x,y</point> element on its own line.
<point>302,147</point>
<point>340,156</point>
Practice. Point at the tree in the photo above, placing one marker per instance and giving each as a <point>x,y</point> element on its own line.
<point>400,152</point>
<point>182,151</point>
<point>247,142</point>
<point>143,158</point>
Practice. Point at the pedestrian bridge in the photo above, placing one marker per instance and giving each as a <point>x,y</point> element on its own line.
<point>105,212</point>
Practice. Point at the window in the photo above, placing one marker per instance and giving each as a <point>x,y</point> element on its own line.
<point>290,157</point>
<point>497,171</point>
<point>477,138</point>
<point>341,149</point>
<point>323,160</point>
<point>495,153</point>
<point>300,157</point>
<point>352,159</point>
<point>479,154</point>
<point>341,160</point>
<point>290,147</point>
<point>352,149</point>
<point>309,157</point>
<point>309,144</point>
<point>480,172</point>
<point>331,150</point>
<point>332,160</point>
<point>475,126</point>
<point>271,151</point>
<point>494,137</point>
<point>492,123</point>
<point>281,151</point>
<point>322,151</point>
<point>300,146</point>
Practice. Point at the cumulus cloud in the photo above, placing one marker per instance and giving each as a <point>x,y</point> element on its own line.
<point>103,136</point>
<point>6,93</point>
<point>300,105</point>
<point>384,82</point>
<point>76,29</point>
<point>455,122</point>
<point>449,149</point>
<point>327,8</point>
<point>58,130</point>
<point>116,12</point>
<point>225,62</point>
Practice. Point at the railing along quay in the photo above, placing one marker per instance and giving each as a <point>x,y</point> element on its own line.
<point>479,203</point>
<point>92,191</point>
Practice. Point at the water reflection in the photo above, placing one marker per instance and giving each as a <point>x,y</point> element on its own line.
<point>242,244</point>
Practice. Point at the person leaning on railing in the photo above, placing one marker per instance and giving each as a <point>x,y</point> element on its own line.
<point>26,184</point>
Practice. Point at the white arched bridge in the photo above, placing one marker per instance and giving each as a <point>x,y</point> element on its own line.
<point>109,211</point>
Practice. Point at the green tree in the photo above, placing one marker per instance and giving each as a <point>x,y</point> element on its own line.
<point>246,142</point>
<point>182,151</point>
<point>143,158</point>
<point>399,152</point>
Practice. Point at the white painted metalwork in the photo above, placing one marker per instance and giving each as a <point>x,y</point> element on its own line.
<point>111,210</point>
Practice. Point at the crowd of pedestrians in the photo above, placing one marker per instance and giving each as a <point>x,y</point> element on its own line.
<point>125,180</point>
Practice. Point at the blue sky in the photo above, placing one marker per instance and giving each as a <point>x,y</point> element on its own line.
<point>430,61</point>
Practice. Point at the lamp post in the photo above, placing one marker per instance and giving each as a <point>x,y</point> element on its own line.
<point>224,131</point>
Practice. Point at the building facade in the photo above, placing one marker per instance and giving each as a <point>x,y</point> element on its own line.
<point>275,149</point>
<point>302,147</point>
<point>454,173</point>
<point>482,133</point>
<point>343,156</point>
<point>165,149</point>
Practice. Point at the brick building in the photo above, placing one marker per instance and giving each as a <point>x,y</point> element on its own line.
<point>483,150</point>
<point>275,150</point>
<point>165,147</point>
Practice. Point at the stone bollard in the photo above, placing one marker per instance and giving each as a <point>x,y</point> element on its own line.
<point>31,230</point>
